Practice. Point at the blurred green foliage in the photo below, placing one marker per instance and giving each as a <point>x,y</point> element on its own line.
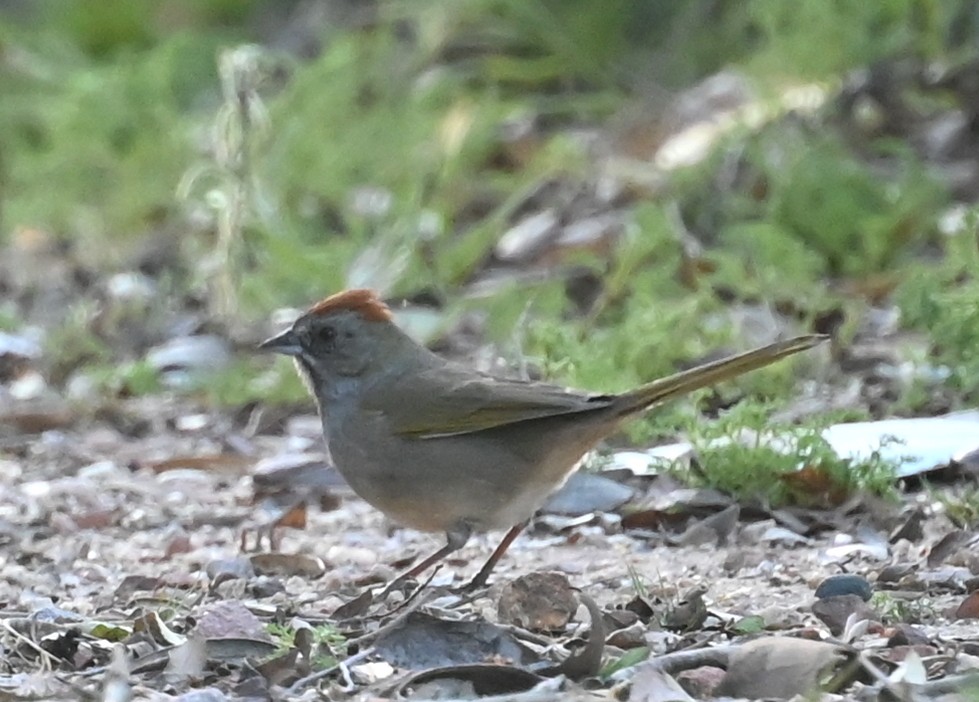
<point>823,39</point>
<point>941,298</point>
<point>748,454</point>
<point>961,505</point>
<point>92,150</point>
<point>109,105</point>
<point>108,29</point>
<point>805,205</point>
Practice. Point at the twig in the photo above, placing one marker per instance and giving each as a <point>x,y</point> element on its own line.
<point>47,658</point>
<point>404,611</point>
<point>413,595</point>
<point>348,681</point>
<point>326,672</point>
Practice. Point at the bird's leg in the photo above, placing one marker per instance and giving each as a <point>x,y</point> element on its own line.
<point>484,572</point>
<point>455,539</point>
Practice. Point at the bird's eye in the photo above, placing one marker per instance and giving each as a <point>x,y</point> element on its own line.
<point>326,336</point>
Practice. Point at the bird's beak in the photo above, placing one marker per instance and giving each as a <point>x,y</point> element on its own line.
<point>285,343</point>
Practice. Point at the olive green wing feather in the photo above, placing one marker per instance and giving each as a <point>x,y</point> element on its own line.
<point>448,401</point>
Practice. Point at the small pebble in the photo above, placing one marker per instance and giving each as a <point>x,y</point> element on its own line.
<point>893,573</point>
<point>845,584</point>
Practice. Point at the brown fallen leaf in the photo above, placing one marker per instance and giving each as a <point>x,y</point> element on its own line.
<point>229,619</point>
<point>538,602</point>
<point>969,608</point>
<point>587,661</point>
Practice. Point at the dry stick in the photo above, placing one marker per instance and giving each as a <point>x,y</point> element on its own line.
<point>405,611</point>
<point>417,592</point>
<point>401,579</point>
<point>46,657</point>
<point>348,682</point>
<point>383,615</point>
<point>326,672</point>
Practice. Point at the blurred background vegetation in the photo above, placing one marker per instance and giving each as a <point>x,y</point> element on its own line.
<point>595,191</point>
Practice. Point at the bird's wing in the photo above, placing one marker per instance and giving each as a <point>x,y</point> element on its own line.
<point>448,401</point>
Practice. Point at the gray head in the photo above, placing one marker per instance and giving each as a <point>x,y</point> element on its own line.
<point>347,335</point>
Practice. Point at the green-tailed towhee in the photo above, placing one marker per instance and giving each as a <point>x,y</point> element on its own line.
<point>444,448</point>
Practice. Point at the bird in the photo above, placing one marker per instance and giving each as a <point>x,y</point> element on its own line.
<point>440,447</point>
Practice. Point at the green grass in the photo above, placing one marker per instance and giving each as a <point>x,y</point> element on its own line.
<point>942,300</point>
<point>920,610</point>
<point>751,457</point>
<point>255,379</point>
<point>325,640</point>
<point>93,150</point>
<point>134,378</point>
<point>961,506</point>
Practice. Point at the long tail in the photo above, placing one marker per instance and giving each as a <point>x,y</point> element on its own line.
<point>709,373</point>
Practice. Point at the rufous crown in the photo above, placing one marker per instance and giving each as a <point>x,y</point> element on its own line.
<point>364,302</point>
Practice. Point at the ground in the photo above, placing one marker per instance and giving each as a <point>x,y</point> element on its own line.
<point>104,533</point>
